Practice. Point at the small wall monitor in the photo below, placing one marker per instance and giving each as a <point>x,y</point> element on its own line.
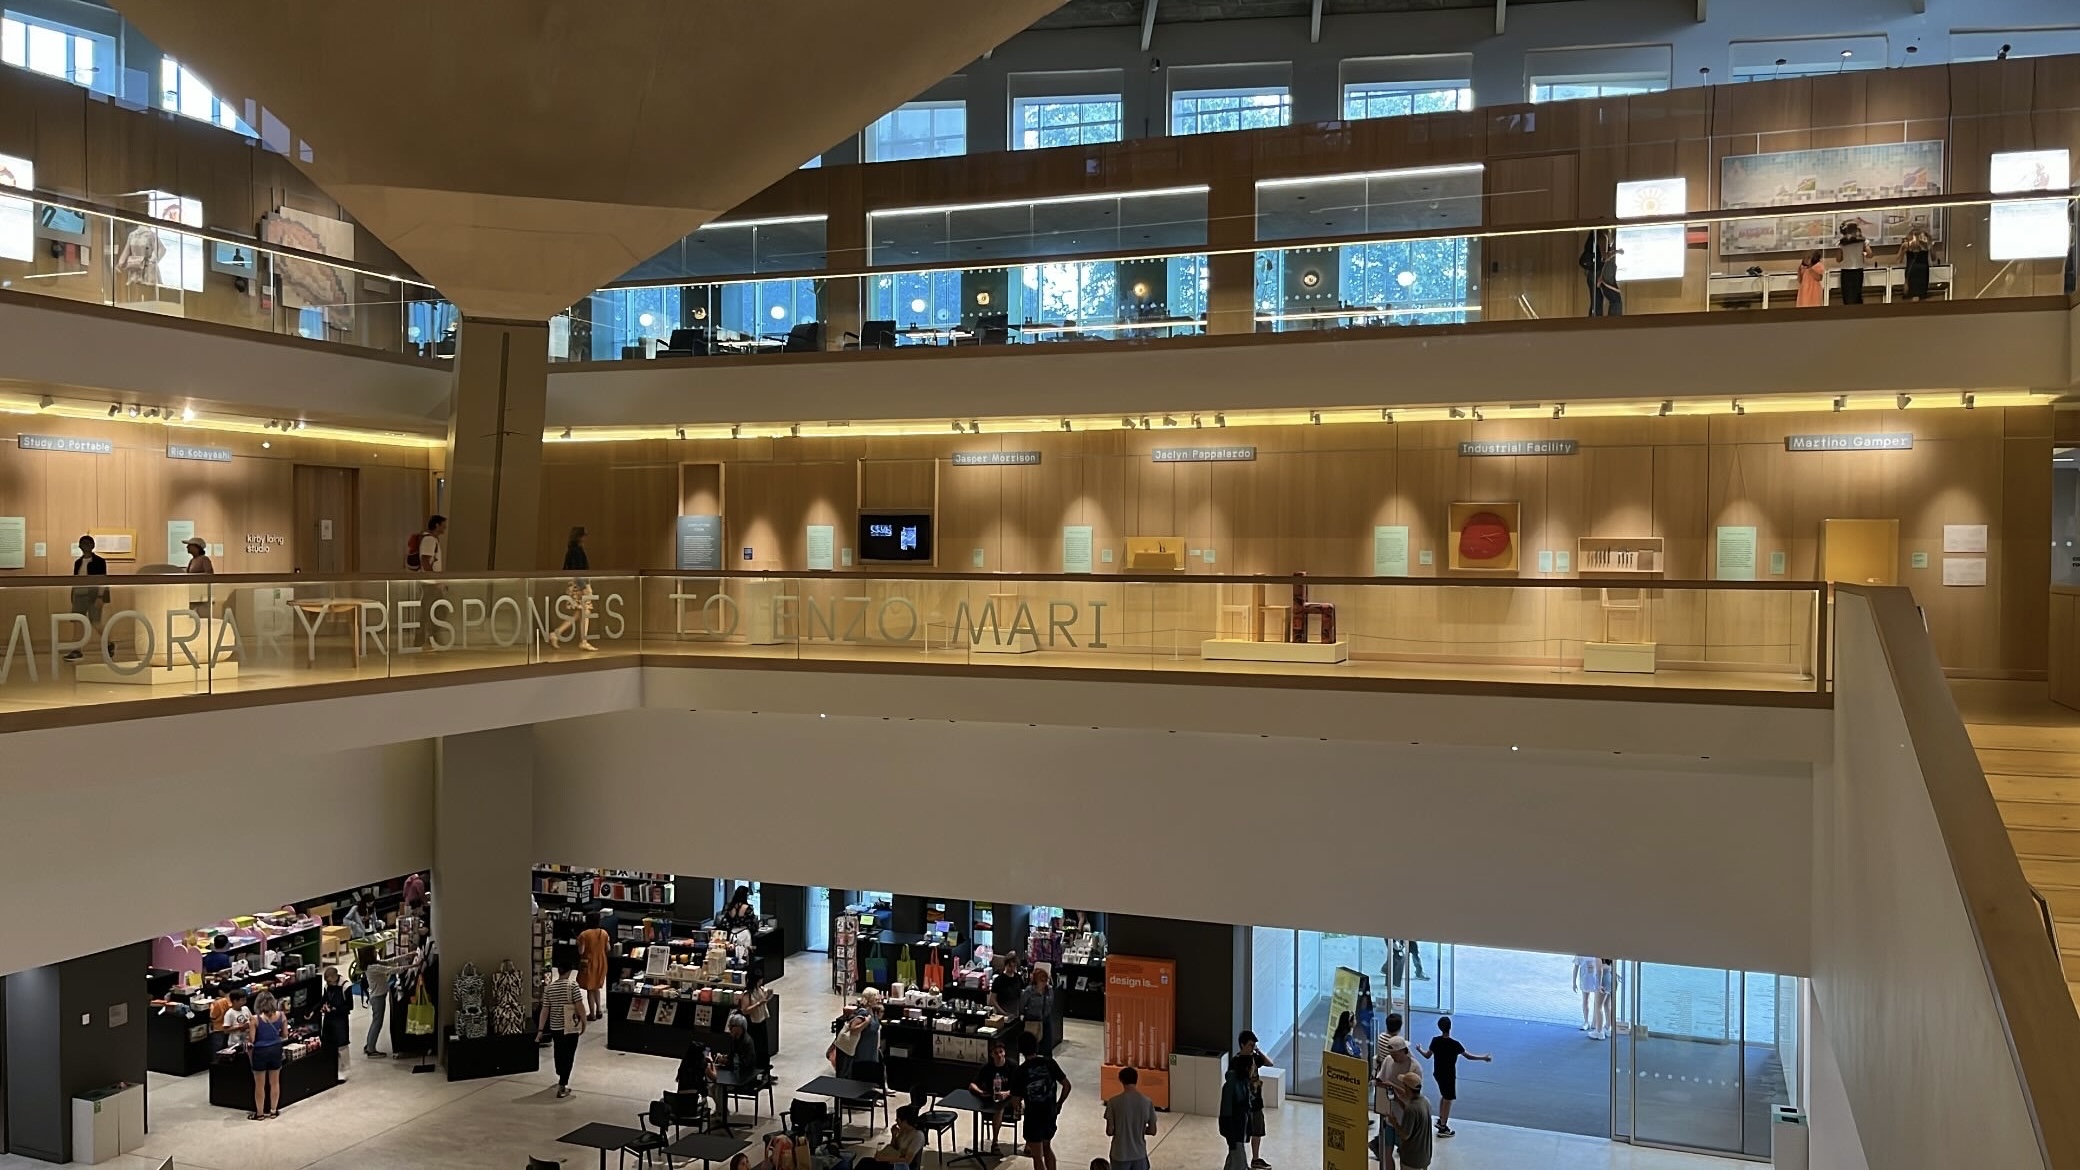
<point>895,537</point>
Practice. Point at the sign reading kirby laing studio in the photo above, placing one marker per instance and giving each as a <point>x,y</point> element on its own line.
<point>1204,454</point>
<point>201,454</point>
<point>68,445</point>
<point>1886,441</point>
<point>996,458</point>
<point>1479,447</point>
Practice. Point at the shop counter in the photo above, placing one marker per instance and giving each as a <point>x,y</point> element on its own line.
<point>491,1056</point>
<point>921,1059</point>
<point>663,1027</point>
<point>306,1076</point>
<point>1082,990</point>
<point>177,1042</point>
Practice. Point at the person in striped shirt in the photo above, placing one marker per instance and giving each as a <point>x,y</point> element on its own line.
<point>562,1016</point>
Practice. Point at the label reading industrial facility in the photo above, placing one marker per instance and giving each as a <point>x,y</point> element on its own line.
<point>1887,441</point>
<point>69,445</point>
<point>1520,447</point>
<point>203,454</point>
<point>1204,454</point>
<point>996,458</point>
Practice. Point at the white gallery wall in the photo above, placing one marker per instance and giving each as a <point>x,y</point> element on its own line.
<point>105,853</point>
<point>1675,861</point>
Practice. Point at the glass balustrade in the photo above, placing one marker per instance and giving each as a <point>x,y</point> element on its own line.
<point>147,263</point>
<point>1724,261</point>
<point>133,638</point>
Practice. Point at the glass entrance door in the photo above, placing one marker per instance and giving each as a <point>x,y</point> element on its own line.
<point>1699,1056</point>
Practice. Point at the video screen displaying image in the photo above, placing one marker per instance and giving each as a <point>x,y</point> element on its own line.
<point>895,537</point>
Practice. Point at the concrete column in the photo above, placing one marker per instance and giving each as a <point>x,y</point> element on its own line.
<point>483,854</point>
<point>62,1041</point>
<point>495,445</point>
<point>1231,280</point>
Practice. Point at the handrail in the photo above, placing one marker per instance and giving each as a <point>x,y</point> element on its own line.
<point>896,573</point>
<point>2044,908</point>
<point>1549,227</point>
<point>2028,987</point>
<point>205,233</point>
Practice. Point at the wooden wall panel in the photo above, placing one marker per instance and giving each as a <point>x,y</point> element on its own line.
<point>1308,503</point>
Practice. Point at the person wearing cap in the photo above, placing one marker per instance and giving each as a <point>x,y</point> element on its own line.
<point>1414,1141</point>
<point>1395,1061</point>
<point>198,556</point>
<point>1252,1059</point>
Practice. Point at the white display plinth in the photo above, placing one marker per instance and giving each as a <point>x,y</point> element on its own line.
<point>1618,657</point>
<point>1006,642</point>
<point>1311,653</point>
<point>183,675</point>
<point>95,1130</point>
<point>1274,1082</point>
<point>1195,1083</point>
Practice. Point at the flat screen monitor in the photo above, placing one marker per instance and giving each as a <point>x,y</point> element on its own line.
<point>232,259</point>
<point>895,537</point>
<point>61,223</point>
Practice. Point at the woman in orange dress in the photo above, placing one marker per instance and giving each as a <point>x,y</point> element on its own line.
<point>592,967</point>
<point>1812,282</point>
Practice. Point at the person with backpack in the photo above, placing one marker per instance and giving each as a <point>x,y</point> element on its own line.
<point>1236,1099</point>
<point>422,554</point>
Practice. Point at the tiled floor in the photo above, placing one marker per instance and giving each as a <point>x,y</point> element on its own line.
<point>386,1118</point>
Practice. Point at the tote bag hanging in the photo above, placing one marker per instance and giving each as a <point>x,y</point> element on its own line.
<point>875,966</point>
<point>934,973</point>
<point>418,1018</point>
<point>906,968</point>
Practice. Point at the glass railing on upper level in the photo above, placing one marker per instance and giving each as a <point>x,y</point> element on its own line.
<point>147,261</point>
<point>1933,248</point>
<point>136,639</point>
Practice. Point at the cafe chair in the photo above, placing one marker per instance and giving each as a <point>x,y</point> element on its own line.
<point>872,335</point>
<point>689,1111</point>
<point>761,1082</point>
<point>937,1123</point>
<point>805,337</point>
<point>543,1164</point>
<point>849,1107</point>
<point>660,1115</point>
<point>810,1122</point>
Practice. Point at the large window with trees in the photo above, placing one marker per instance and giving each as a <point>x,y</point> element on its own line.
<point>918,130</point>
<point>1074,120</point>
<point>1212,111</point>
<point>1394,99</point>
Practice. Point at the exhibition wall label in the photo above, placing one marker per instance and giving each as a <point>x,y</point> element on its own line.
<point>996,458</point>
<point>1481,447</point>
<point>69,445</point>
<point>700,542</point>
<point>1204,454</point>
<point>202,454</point>
<point>1885,441</point>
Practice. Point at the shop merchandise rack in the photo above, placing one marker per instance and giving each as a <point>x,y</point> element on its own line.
<point>613,887</point>
<point>845,955</point>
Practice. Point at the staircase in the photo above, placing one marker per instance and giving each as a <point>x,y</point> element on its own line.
<point>2029,749</point>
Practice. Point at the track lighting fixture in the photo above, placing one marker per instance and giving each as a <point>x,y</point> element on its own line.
<point>736,430</point>
<point>1144,422</point>
<point>681,432</point>
<point>151,412</point>
<point>114,410</point>
<point>1841,403</point>
<point>1127,423</point>
<point>1065,425</point>
<point>1197,421</point>
<point>1738,409</point>
<point>1902,400</point>
<point>1559,409</point>
<point>974,427</point>
<point>1970,400</point>
<point>1386,416</point>
<point>1220,420</point>
<point>1315,417</point>
<point>795,431</point>
<point>1478,416</point>
<point>1455,412</point>
<point>133,410</point>
<point>566,432</point>
<point>300,424</point>
<point>958,428</point>
<point>1668,407</point>
<point>271,423</point>
<point>1169,420</point>
<point>187,414</point>
<point>44,403</point>
<point>265,445</point>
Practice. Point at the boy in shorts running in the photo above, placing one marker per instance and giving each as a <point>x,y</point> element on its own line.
<point>1444,1053</point>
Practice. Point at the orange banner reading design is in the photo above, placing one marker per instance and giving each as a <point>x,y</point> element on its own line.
<point>1140,1023</point>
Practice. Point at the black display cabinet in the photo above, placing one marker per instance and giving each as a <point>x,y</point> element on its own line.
<point>662,1027</point>
<point>231,1078</point>
<point>491,1056</point>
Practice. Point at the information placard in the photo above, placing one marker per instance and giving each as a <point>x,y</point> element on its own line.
<point>823,547</point>
<point>1734,553</point>
<point>1076,548</point>
<point>1390,550</point>
<point>178,534</point>
<point>14,536</point>
<point>700,542</point>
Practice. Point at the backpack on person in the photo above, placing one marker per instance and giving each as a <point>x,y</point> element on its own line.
<point>411,550</point>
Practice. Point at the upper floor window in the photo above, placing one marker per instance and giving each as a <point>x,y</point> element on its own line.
<point>1802,69</point>
<point>188,95</point>
<point>1211,111</point>
<point>1595,85</point>
<point>919,130</point>
<point>1076,120</point>
<point>1393,99</point>
<point>80,56</point>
